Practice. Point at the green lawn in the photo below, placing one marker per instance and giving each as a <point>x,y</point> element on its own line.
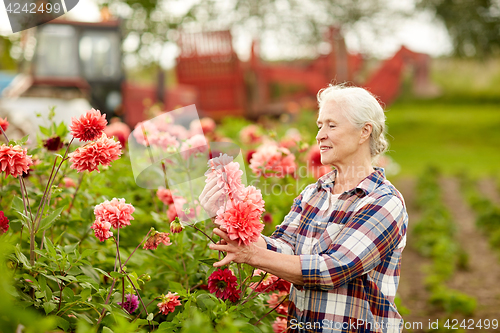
<point>452,136</point>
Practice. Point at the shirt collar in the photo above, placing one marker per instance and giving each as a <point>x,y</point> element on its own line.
<point>367,185</point>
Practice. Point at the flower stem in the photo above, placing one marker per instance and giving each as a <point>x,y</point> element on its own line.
<point>269,312</point>
<point>130,256</point>
<point>192,225</point>
<point>74,194</point>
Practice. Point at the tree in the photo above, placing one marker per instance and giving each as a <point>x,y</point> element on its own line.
<point>473,25</point>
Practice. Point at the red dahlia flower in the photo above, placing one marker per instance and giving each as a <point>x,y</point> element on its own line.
<point>267,284</point>
<point>165,195</point>
<point>131,304</point>
<point>116,212</point>
<point>280,325</point>
<point>276,299</point>
<point>4,124</point>
<point>89,126</point>
<point>4,223</point>
<point>224,285</point>
<point>101,152</point>
<point>53,143</point>
<point>14,160</point>
<point>241,220</point>
<point>168,303</point>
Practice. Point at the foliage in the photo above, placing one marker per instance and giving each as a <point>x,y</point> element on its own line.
<point>473,25</point>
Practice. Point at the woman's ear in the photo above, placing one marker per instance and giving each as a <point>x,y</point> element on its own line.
<point>366,131</point>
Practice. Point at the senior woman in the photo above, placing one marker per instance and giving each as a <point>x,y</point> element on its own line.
<point>340,245</point>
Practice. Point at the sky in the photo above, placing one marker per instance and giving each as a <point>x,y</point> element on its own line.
<point>421,33</point>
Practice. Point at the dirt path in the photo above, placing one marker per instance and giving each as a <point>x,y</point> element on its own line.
<point>411,287</point>
<point>488,187</point>
<point>482,278</point>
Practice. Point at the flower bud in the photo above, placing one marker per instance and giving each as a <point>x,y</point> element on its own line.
<point>176,226</point>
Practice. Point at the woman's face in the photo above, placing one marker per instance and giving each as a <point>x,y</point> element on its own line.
<point>338,139</point>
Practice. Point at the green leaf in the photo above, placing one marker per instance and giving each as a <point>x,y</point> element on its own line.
<point>208,261</point>
<point>62,323</point>
<point>49,307</point>
<point>18,205</point>
<point>117,274</point>
<point>85,294</point>
<point>50,248</point>
<point>88,252</point>
<point>21,257</point>
<point>62,130</point>
<point>47,221</point>
<point>107,330</point>
<point>44,130</point>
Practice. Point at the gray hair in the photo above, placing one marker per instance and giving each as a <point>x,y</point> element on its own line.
<point>360,107</point>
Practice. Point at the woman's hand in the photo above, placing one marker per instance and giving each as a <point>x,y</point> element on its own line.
<point>212,197</point>
<point>234,252</point>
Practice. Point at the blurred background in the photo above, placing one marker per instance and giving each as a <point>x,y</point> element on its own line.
<point>434,64</point>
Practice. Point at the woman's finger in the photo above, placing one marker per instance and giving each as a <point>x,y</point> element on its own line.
<point>218,247</point>
<point>225,261</point>
<point>222,235</point>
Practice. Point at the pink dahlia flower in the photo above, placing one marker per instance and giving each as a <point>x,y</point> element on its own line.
<point>101,152</point>
<point>203,126</point>
<point>119,130</point>
<point>156,239</point>
<point>89,126</point>
<point>145,132</point>
<point>267,284</point>
<point>241,220</point>
<point>280,325</point>
<point>4,124</point>
<point>4,223</point>
<point>250,135</point>
<point>276,299</point>
<point>165,195</point>
<point>101,229</point>
<point>168,303</point>
<point>14,160</point>
<point>273,160</point>
<point>224,285</point>
<point>116,212</point>
<point>68,182</point>
<point>195,144</point>
<point>228,177</point>
<point>253,195</point>
<point>131,304</point>
<point>172,213</point>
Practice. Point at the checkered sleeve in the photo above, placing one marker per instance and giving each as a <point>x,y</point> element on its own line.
<point>371,234</point>
<point>284,238</point>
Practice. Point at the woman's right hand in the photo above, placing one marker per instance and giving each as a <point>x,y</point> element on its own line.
<point>212,197</point>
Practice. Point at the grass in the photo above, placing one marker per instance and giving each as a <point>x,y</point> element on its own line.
<point>453,137</point>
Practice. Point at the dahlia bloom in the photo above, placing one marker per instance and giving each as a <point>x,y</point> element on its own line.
<point>4,223</point>
<point>119,130</point>
<point>241,220</point>
<point>283,285</point>
<point>228,175</point>
<point>176,226</point>
<point>267,218</point>
<point>4,124</point>
<point>68,182</point>
<point>269,159</point>
<point>101,229</point>
<point>116,212</point>
<point>265,284</point>
<point>171,213</point>
<point>165,195</point>
<point>156,238</point>
<point>224,285</point>
<point>314,164</point>
<point>168,303</point>
<point>53,143</point>
<point>253,195</point>
<point>275,299</point>
<point>195,144</point>
<point>14,160</point>
<point>131,304</point>
<point>205,126</point>
<point>101,152</point>
<point>250,135</point>
<point>144,132</point>
<point>89,126</point>
<point>279,325</point>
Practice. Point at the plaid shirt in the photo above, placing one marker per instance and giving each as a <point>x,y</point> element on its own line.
<point>350,255</point>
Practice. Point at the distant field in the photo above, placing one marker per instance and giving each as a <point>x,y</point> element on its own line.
<point>453,136</point>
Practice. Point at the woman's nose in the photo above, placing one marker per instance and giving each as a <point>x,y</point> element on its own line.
<point>321,134</point>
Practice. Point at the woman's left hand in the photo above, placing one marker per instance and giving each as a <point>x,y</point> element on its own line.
<point>234,252</point>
